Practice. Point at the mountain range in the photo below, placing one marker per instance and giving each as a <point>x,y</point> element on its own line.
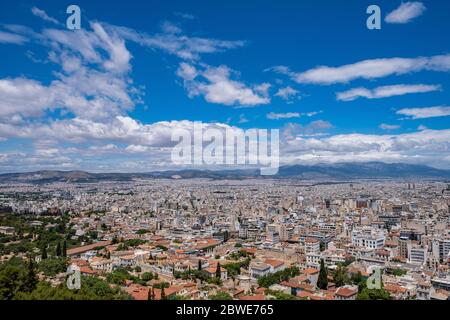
<point>332,172</point>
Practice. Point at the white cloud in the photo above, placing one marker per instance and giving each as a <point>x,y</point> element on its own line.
<point>173,41</point>
<point>184,15</point>
<point>44,16</point>
<point>423,113</point>
<point>389,126</point>
<point>287,93</point>
<point>7,37</point>
<point>243,119</point>
<point>422,127</point>
<point>292,131</point>
<point>430,147</point>
<point>406,12</point>
<point>385,91</point>
<point>368,69</point>
<point>278,116</point>
<point>22,97</point>
<point>216,85</point>
<point>93,82</point>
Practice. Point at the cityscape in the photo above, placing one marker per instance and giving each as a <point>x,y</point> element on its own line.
<point>153,239</point>
<point>239,151</point>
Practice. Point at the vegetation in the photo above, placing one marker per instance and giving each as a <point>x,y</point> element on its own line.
<point>51,267</point>
<point>221,296</point>
<point>340,277</point>
<point>322,282</point>
<point>277,277</point>
<point>234,269</point>
<point>399,272</point>
<point>91,289</point>
<point>280,295</point>
<point>120,275</point>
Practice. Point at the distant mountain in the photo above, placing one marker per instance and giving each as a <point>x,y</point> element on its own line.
<point>366,170</point>
<point>336,172</point>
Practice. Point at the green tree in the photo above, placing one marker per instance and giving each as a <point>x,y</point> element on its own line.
<point>44,252</point>
<point>322,282</point>
<point>373,294</point>
<point>340,277</point>
<point>218,271</point>
<point>150,294</point>
<point>221,296</point>
<point>53,266</point>
<point>64,249</point>
<point>58,249</point>
<point>199,265</point>
<point>31,279</point>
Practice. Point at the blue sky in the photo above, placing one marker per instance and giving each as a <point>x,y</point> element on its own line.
<point>107,97</point>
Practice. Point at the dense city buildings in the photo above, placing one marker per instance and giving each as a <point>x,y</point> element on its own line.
<point>153,239</point>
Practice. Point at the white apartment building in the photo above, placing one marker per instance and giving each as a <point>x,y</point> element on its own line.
<point>417,254</point>
<point>441,249</point>
<point>368,237</point>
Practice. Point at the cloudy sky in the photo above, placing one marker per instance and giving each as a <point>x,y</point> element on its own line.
<point>108,97</point>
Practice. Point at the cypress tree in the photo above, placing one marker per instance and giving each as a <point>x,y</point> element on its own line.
<point>31,279</point>
<point>149,296</point>
<point>44,253</point>
<point>218,273</point>
<point>64,249</point>
<point>199,265</point>
<point>58,249</point>
<point>322,282</point>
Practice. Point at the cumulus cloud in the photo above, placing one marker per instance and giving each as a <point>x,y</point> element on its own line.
<point>367,69</point>
<point>287,94</point>
<point>429,147</point>
<point>385,91</point>
<point>93,81</point>
<point>406,12</point>
<point>423,113</point>
<point>216,85</point>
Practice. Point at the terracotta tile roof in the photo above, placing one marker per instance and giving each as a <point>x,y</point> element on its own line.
<point>311,271</point>
<point>79,250</point>
<point>274,262</point>
<point>346,292</point>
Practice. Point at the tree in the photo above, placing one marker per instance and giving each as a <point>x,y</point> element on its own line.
<point>44,252</point>
<point>322,282</point>
<point>221,296</point>
<point>163,294</point>
<point>199,265</point>
<point>150,294</point>
<point>64,249</point>
<point>218,271</point>
<point>31,279</point>
<point>58,249</point>
<point>340,277</point>
<point>53,266</point>
<point>373,294</point>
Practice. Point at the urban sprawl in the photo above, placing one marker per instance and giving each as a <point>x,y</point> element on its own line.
<point>200,239</point>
